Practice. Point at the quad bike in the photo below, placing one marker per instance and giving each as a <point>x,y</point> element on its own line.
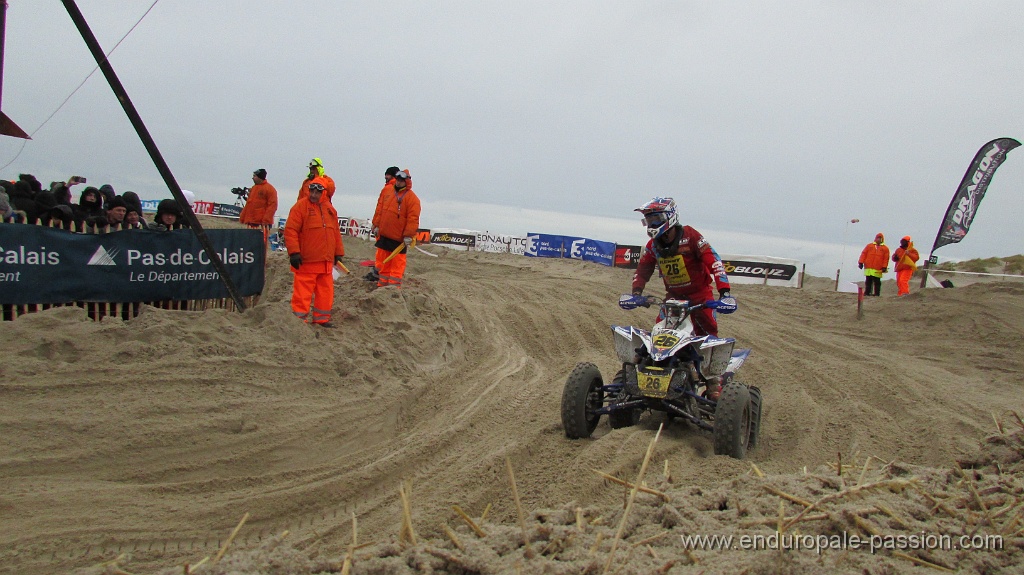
<point>668,369</point>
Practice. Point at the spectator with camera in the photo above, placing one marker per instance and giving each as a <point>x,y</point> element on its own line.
<point>261,206</point>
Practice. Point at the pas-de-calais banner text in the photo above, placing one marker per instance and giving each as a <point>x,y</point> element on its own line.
<point>968,196</point>
<point>40,265</point>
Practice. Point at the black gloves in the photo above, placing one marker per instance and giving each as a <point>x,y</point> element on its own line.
<point>861,265</point>
<point>723,294</point>
<point>295,259</point>
<point>337,260</point>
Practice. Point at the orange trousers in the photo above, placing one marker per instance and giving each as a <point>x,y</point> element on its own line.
<point>390,273</point>
<point>903,282</point>
<point>313,292</point>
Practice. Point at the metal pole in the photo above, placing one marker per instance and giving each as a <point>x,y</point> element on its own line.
<point>3,37</point>
<point>154,153</point>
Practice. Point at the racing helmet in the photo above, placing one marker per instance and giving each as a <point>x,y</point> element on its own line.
<point>659,216</point>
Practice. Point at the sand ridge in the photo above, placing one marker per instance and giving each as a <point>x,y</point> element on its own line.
<point>153,437</point>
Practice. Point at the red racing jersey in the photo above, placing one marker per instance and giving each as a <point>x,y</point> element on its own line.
<point>687,267</point>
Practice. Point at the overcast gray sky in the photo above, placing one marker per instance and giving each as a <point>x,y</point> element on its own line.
<point>771,123</point>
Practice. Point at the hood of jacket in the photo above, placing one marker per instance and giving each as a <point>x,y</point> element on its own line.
<point>95,204</point>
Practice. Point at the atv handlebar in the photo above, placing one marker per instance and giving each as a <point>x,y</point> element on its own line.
<point>630,301</point>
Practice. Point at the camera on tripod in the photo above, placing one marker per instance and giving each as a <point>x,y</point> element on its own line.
<point>242,193</point>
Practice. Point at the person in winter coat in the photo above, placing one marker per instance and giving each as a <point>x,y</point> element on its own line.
<point>314,244</point>
<point>261,205</point>
<point>108,194</point>
<point>23,199</point>
<point>874,260</point>
<point>134,202</point>
<point>90,212</point>
<point>6,209</point>
<point>906,257</point>
<point>387,190</point>
<point>396,220</point>
<point>116,212</point>
<point>688,265</point>
<point>168,216</point>
<point>316,170</point>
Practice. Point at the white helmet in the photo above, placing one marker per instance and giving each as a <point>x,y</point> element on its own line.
<point>659,216</point>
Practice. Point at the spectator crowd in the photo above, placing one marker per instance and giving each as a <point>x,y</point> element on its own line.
<point>97,210</point>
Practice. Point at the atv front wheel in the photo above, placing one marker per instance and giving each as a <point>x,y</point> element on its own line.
<point>581,398</point>
<point>733,420</point>
<point>622,417</point>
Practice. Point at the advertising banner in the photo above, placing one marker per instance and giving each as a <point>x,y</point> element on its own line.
<point>547,245</point>
<point>964,205</point>
<point>355,227</point>
<point>762,270</point>
<point>422,236</point>
<point>590,250</point>
<point>226,210</point>
<point>204,208</point>
<point>488,242</point>
<point>44,265</point>
<point>627,256</point>
<point>454,238</point>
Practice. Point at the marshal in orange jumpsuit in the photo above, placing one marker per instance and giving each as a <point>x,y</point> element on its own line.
<point>316,170</point>
<point>396,218</point>
<point>906,257</point>
<point>314,244</point>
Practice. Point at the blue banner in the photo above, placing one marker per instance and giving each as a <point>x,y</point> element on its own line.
<point>572,247</point>
<point>40,265</point>
<point>547,245</point>
<point>592,251</point>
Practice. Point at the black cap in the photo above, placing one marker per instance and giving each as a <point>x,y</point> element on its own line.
<point>260,173</point>
<point>391,171</point>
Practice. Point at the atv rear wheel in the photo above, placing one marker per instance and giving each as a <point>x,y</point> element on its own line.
<point>581,398</point>
<point>755,416</point>
<point>622,417</point>
<point>733,421</point>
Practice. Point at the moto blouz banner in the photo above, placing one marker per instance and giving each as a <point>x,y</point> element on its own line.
<point>40,265</point>
<point>968,196</point>
<point>767,270</point>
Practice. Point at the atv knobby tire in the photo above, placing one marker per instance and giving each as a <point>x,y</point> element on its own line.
<point>622,417</point>
<point>755,416</point>
<point>581,398</point>
<point>733,421</point>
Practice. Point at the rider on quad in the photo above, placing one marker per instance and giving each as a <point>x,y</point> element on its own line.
<point>687,263</point>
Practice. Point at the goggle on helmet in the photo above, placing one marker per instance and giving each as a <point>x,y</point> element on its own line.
<point>659,216</point>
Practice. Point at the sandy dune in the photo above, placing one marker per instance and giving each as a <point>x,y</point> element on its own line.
<point>154,437</point>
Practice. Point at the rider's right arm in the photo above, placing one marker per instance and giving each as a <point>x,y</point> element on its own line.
<point>644,269</point>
